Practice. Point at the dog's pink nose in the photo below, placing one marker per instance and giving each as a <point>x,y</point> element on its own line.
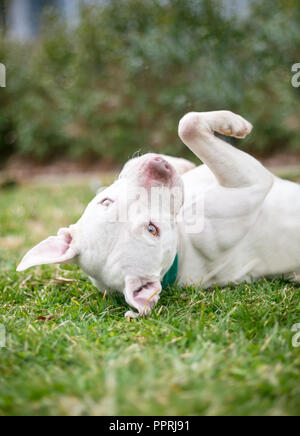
<point>158,169</point>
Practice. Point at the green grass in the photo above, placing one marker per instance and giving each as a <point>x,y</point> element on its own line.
<point>224,351</point>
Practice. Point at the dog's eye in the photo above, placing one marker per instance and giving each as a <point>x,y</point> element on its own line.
<point>153,230</point>
<point>106,202</point>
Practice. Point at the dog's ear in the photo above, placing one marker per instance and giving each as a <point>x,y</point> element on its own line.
<point>56,249</point>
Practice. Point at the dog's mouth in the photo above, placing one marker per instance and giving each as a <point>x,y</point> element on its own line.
<point>144,297</point>
<point>145,287</point>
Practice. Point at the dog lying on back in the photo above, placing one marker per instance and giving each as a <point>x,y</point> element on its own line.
<point>229,220</point>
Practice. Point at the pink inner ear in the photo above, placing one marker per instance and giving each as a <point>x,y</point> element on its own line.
<point>52,247</point>
<point>56,249</point>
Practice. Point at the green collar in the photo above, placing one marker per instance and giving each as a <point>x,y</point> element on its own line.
<point>171,275</point>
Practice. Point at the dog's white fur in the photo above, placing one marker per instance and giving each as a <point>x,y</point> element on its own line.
<point>251,220</point>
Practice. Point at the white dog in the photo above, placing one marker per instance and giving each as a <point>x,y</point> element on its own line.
<point>249,225</point>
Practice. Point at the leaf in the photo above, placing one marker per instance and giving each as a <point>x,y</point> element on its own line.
<point>64,280</point>
<point>45,318</point>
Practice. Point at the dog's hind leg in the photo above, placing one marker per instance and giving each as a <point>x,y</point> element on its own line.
<point>232,167</point>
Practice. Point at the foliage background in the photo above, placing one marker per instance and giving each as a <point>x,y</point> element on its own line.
<point>120,80</point>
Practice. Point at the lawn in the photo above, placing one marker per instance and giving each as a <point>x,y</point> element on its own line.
<point>71,352</point>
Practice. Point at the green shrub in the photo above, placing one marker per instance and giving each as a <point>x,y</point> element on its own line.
<point>120,80</point>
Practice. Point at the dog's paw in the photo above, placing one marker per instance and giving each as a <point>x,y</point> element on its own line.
<point>195,124</point>
<point>131,315</point>
<point>230,124</point>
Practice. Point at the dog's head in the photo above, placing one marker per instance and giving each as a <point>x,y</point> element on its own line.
<point>126,239</point>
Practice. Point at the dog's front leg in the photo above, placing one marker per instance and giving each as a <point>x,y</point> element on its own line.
<point>232,167</point>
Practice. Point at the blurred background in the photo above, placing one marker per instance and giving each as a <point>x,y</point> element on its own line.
<point>90,82</point>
